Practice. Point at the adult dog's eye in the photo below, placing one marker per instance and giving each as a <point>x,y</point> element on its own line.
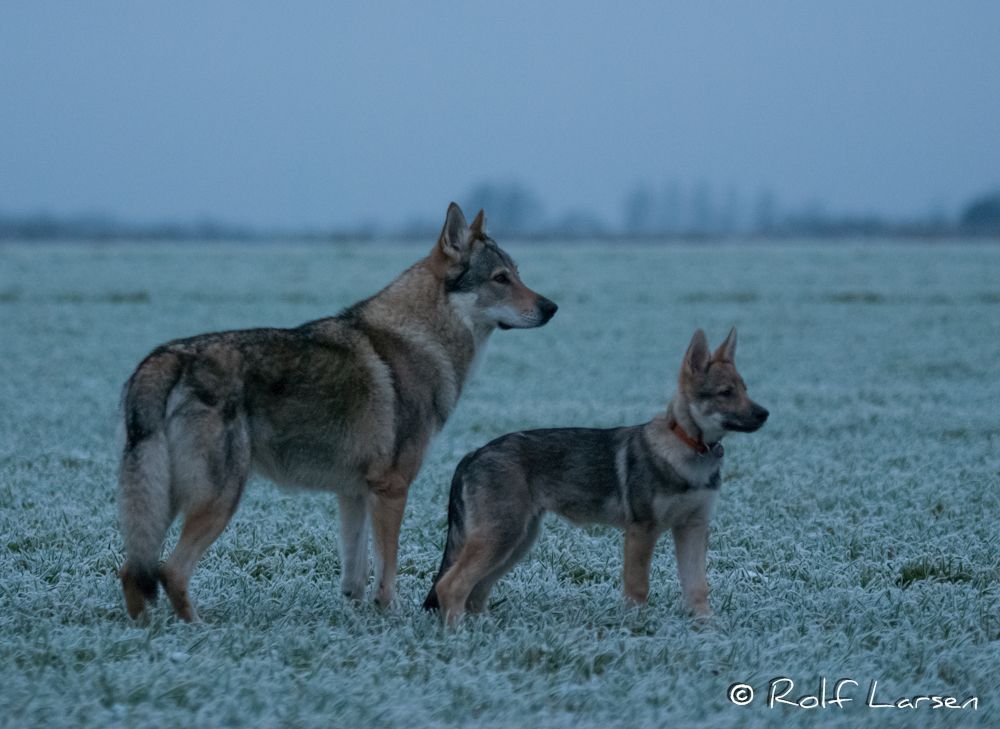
<point>728,392</point>
<point>502,278</point>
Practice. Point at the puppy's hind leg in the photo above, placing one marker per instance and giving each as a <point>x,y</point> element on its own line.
<point>354,545</point>
<point>481,555</point>
<point>479,597</point>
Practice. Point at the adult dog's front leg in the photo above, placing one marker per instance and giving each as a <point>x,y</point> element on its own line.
<point>388,503</point>
<point>354,544</point>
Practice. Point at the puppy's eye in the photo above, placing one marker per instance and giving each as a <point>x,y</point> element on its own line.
<point>502,278</point>
<point>727,392</point>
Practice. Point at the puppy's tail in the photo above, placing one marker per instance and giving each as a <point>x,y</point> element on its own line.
<point>456,530</point>
<point>144,479</point>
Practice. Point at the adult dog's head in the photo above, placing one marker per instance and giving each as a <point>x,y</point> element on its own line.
<point>481,281</point>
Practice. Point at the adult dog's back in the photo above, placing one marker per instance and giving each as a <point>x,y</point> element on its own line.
<point>348,403</point>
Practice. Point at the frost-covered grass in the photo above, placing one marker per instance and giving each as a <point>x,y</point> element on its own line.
<point>857,534</point>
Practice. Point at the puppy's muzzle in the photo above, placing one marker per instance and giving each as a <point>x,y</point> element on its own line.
<point>750,422</point>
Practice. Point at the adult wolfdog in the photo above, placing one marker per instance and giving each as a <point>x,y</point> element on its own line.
<point>347,403</point>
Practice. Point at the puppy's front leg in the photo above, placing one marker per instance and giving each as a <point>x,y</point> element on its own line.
<point>691,543</point>
<point>640,541</point>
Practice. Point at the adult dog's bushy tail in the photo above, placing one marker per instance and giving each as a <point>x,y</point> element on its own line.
<point>144,479</point>
<point>456,531</point>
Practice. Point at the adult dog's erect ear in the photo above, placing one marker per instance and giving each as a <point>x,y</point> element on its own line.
<point>478,227</point>
<point>454,240</point>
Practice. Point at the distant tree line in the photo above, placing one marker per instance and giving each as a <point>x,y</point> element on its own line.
<point>44,226</point>
<point>515,210</point>
<point>673,210</point>
<point>699,211</point>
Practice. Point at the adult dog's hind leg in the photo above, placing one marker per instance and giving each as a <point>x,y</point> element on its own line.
<point>354,544</point>
<point>202,526</point>
<point>212,467</point>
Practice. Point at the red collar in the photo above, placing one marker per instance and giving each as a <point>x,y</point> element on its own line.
<point>696,445</point>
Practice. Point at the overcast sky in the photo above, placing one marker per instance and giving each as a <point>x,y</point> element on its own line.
<point>324,113</point>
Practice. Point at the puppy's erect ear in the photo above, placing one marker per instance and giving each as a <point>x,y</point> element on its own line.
<point>478,226</point>
<point>454,240</point>
<point>727,350</point>
<point>696,357</point>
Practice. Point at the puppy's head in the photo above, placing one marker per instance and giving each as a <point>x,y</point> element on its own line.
<point>714,393</point>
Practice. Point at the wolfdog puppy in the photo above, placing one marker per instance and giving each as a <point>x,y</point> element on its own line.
<point>644,479</point>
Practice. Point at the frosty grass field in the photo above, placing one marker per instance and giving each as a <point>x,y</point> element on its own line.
<point>856,536</point>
